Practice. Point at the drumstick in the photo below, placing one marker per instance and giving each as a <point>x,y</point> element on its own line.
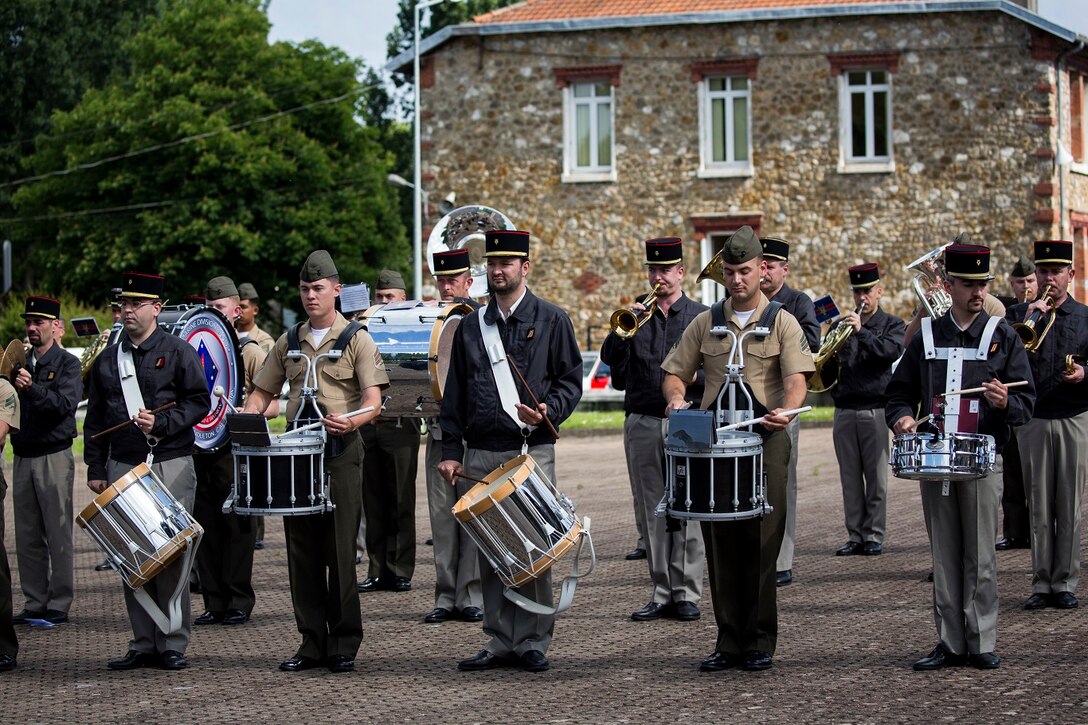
<point>920,421</point>
<point>319,423</point>
<point>763,418</point>
<point>119,426</point>
<point>528,390</point>
<point>470,478</point>
<point>968,391</point>
<point>220,392</point>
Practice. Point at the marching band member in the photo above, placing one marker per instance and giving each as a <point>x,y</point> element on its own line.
<point>860,434</point>
<point>741,555</point>
<point>246,325</point>
<point>675,558</point>
<point>776,253</point>
<point>457,592</point>
<point>486,422</point>
<point>1052,451</point>
<point>50,387</point>
<point>321,547</point>
<point>167,371</point>
<point>963,349</point>
<point>9,642</point>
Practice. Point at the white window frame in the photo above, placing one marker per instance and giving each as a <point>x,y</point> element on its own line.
<point>594,172</point>
<point>709,290</point>
<point>869,163</point>
<point>1079,166</point>
<point>708,167</point>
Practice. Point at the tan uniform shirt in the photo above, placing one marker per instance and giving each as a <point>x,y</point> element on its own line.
<point>262,338</point>
<point>767,361</point>
<point>992,306</point>
<point>9,406</point>
<point>340,384</point>
<point>252,359</point>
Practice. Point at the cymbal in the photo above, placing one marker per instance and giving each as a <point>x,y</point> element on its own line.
<point>14,357</point>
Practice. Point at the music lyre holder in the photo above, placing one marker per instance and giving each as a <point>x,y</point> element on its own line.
<point>734,378</point>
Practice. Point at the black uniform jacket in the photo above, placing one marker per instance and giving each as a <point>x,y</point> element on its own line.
<point>916,380</point>
<point>167,369</point>
<point>48,421</point>
<point>865,360</point>
<point>1068,336</point>
<point>801,306</point>
<point>540,339</point>
<point>636,363</point>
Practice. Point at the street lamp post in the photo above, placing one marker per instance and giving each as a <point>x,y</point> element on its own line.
<point>417,186</point>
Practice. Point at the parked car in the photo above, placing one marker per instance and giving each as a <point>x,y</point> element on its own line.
<point>597,381</point>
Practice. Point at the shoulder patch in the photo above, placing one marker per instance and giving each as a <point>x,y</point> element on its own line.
<point>9,402</point>
<point>378,362</point>
<point>804,343</point>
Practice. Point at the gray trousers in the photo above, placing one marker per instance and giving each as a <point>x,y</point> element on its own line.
<point>1055,463</point>
<point>785,553</point>
<point>179,476</point>
<point>861,440</point>
<point>42,505</point>
<point>513,631</point>
<point>961,527</point>
<point>675,559</point>
<point>456,559</point>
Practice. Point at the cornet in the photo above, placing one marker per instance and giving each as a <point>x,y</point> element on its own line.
<point>1028,330</point>
<point>625,324</point>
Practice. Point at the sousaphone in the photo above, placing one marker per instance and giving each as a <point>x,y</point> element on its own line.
<point>464,228</point>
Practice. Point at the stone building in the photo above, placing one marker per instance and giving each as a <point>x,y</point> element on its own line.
<point>865,131</point>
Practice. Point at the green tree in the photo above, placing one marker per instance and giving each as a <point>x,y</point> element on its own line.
<point>220,153</point>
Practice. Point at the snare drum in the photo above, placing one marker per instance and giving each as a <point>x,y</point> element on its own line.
<point>943,457</point>
<point>415,343</point>
<point>139,525</point>
<point>286,478</point>
<point>722,482</point>
<point>518,519</point>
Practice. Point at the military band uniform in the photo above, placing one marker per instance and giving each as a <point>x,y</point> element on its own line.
<point>390,464</point>
<point>1053,453</point>
<point>539,338</point>
<point>742,555</point>
<point>674,558</point>
<point>9,642</point>
<point>321,547</point>
<point>263,339</point>
<point>43,474</point>
<point>168,370</point>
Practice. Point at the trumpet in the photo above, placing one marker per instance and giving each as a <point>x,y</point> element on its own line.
<point>928,283</point>
<point>625,324</point>
<point>821,381</point>
<point>1028,330</point>
<point>1071,362</point>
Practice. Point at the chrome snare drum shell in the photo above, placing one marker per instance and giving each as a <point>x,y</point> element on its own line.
<point>943,457</point>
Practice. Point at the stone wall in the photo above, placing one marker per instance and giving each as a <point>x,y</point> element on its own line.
<point>968,146</point>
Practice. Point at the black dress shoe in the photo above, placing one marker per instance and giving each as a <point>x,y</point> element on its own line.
<point>258,544</point>
<point>1037,601</point>
<point>483,660</point>
<point>133,660</point>
<point>872,548</point>
<point>7,662</point>
<point>103,566</point>
<point>850,548</point>
<point>235,616</point>
<point>534,661</point>
<point>209,617</point>
<point>719,661</point>
<point>783,578</point>
<point>984,661</point>
<point>938,658</point>
<point>429,542</point>
<point>438,614</point>
<point>341,663</point>
<point>299,663</point>
<point>1011,542</point>
<point>370,584</point>
<point>472,614</point>
<point>755,660</point>
<point>686,611</point>
<point>401,584</point>
<point>635,554</point>
<point>1063,600</point>
<point>26,615</point>
<point>172,660</point>
<point>55,616</point>
<point>651,612</point>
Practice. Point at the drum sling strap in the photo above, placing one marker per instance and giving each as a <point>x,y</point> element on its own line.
<point>504,379</point>
<point>130,388</point>
<point>570,582</point>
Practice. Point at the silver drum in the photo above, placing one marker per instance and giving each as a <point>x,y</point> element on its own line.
<point>721,482</point>
<point>943,457</point>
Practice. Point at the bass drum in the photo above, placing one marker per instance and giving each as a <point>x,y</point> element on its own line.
<point>415,341</point>
<point>209,333</point>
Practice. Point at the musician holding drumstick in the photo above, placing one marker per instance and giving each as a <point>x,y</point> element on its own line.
<point>1051,445</point>
<point>741,555</point>
<point>517,350</point>
<point>164,370</point>
<point>964,348</point>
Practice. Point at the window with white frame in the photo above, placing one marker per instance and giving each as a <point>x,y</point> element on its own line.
<point>725,123</point>
<point>865,111</point>
<point>588,130</point>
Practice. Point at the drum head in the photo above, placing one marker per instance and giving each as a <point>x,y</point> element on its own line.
<point>497,486</point>
<point>438,361</point>
<point>216,344</point>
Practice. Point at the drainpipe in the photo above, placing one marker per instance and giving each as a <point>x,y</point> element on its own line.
<point>1061,116</point>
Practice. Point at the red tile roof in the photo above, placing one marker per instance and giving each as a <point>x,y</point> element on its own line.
<point>540,10</point>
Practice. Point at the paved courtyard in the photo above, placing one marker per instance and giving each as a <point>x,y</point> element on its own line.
<point>849,630</point>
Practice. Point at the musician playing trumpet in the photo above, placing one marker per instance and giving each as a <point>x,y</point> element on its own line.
<point>1053,457</point>
<point>864,367</point>
<point>960,349</point>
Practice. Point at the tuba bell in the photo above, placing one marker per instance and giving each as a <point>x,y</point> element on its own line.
<point>714,270</point>
<point>928,282</point>
<point>464,228</point>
